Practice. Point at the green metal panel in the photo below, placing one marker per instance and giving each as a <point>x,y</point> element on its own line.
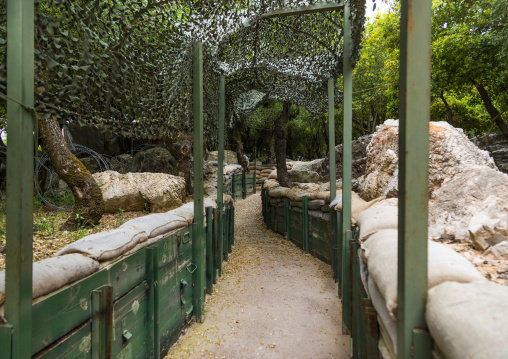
<point>209,250</point>
<point>232,226</point>
<point>331,135</point>
<point>132,327</point>
<point>339,252</point>
<point>355,303</point>
<point>20,97</point>
<point>286,218</point>
<point>76,344</point>
<point>6,341</point>
<point>414,114</point>
<point>244,185</point>
<point>306,244</point>
<point>198,250</point>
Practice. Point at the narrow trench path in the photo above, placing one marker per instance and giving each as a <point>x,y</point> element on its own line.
<point>272,301</point>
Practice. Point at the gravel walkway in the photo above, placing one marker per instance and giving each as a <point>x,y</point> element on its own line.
<point>273,301</point>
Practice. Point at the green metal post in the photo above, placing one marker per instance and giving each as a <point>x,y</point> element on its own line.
<point>414,114</point>
<point>346,287</point>
<point>152,254</point>
<point>286,218</point>
<point>215,244</point>
<point>6,341</point>
<point>198,238</point>
<point>232,227</point>
<point>305,205</point>
<point>220,168</point>
<point>209,251</point>
<point>102,322</point>
<point>347,147</point>
<point>20,126</point>
<point>226,231</point>
<point>244,185</point>
<point>331,136</point>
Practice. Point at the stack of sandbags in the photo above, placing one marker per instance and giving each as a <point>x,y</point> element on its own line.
<point>262,173</point>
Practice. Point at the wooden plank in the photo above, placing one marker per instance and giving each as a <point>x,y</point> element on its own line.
<point>302,10</point>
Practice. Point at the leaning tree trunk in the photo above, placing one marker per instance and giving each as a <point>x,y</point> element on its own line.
<point>239,149</point>
<point>88,203</point>
<point>491,109</point>
<point>449,112</point>
<point>280,146</point>
<point>271,149</point>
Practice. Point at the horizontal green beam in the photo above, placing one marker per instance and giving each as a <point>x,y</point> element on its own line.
<point>302,10</point>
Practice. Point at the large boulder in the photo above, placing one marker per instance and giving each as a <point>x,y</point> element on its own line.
<point>471,206</point>
<point>131,191</point>
<point>229,157</point>
<point>450,153</point>
<point>303,176</point>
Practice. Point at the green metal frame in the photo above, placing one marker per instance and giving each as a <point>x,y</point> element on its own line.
<point>198,244</point>
<point>20,162</point>
<point>414,114</point>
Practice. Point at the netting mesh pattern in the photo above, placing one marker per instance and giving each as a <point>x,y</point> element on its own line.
<point>126,65</point>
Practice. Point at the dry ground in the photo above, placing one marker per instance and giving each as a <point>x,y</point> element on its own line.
<point>273,301</point>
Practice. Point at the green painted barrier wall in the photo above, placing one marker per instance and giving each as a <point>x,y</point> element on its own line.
<point>134,307</point>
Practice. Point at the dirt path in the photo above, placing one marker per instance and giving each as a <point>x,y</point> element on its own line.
<point>273,301</point>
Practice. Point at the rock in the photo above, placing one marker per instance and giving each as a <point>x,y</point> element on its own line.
<point>229,157</point>
<point>131,191</point>
<point>154,160</point>
<point>490,226</point>
<point>468,194</point>
<point>303,176</point>
<point>449,153</point>
<point>499,251</point>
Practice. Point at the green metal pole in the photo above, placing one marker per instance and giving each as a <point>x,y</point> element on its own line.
<point>414,114</point>
<point>198,239</point>
<point>331,136</point>
<point>220,168</point>
<point>19,214</point>
<point>347,147</point>
<point>209,250</point>
<point>286,218</point>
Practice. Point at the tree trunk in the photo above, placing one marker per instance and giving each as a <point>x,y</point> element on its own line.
<point>280,146</point>
<point>271,149</point>
<point>181,149</point>
<point>325,134</point>
<point>491,109</point>
<point>239,149</point>
<point>88,203</point>
<point>449,112</point>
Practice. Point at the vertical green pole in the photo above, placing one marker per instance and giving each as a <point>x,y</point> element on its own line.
<point>209,250</point>
<point>305,205</point>
<point>331,135</point>
<point>339,253</point>
<point>220,168</point>
<point>347,147</point>
<point>226,231</point>
<point>198,239</point>
<point>152,254</point>
<point>414,114</point>
<point>20,126</point>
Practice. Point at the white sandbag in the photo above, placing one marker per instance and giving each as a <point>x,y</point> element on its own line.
<point>210,202</point>
<point>277,192</point>
<point>388,325</point>
<point>106,245</point>
<point>444,264</point>
<point>156,224</point>
<point>273,175</point>
<point>315,214</point>
<point>468,320</point>
<point>377,218</point>
<point>358,205</point>
<point>53,273</point>
<point>186,211</point>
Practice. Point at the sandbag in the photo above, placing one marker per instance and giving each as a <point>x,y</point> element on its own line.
<point>106,245</point>
<point>186,211</point>
<point>156,224</point>
<point>53,273</point>
<point>273,175</point>
<point>277,192</point>
<point>315,214</point>
<point>444,264</point>
<point>377,218</point>
<point>468,320</point>
<point>358,205</point>
<point>316,204</point>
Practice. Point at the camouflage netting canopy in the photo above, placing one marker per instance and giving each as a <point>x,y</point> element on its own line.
<point>126,65</point>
